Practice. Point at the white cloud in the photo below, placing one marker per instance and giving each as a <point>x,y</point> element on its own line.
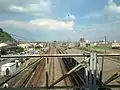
<point>53,24</point>
<point>17,24</point>
<point>35,7</point>
<point>39,8</point>
<point>110,26</point>
<point>112,7</point>
<point>49,24</point>
<point>16,8</point>
<point>110,11</point>
<point>99,31</point>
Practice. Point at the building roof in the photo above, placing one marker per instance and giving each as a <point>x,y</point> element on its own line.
<point>8,64</point>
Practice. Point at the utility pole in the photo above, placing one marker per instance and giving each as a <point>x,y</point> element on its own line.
<point>105,44</point>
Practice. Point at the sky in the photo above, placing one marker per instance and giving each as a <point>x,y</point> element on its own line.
<point>48,20</point>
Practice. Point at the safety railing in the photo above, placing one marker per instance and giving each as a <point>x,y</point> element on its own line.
<point>90,63</point>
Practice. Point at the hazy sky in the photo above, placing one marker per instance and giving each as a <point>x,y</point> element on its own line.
<point>61,19</point>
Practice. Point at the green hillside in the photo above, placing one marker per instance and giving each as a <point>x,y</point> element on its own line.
<point>5,37</point>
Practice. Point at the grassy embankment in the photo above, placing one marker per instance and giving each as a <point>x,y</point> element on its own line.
<point>100,49</point>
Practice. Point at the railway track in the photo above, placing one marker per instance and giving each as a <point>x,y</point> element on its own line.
<point>57,70</point>
<point>34,75</point>
<point>68,81</point>
<point>77,77</point>
<point>23,78</point>
<point>37,76</point>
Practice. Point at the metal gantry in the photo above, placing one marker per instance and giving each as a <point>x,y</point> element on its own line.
<point>90,63</point>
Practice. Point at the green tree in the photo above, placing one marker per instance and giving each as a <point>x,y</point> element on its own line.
<point>5,37</point>
<point>19,49</point>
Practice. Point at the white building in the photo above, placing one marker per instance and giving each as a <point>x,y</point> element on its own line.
<point>93,44</point>
<point>23,45</point>
<point>3,44</point>
<point>41,45</point>
<point>8,69</point>
<point>115,45</point>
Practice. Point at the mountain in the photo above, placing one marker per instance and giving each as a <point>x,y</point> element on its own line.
<point>5,37</point>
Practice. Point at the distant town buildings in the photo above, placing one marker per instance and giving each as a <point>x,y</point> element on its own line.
<point>82,39</point>
<point>24,45</point>
<point>32,45</point>
<point>114,41</point>
<point>83,42</point>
